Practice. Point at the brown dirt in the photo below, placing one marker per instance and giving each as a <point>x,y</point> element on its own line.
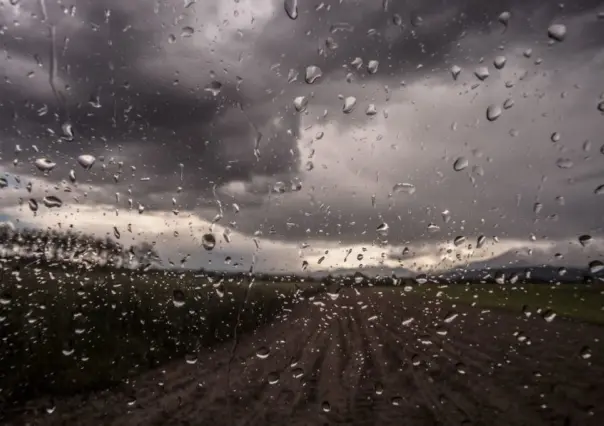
<point>352,361</point>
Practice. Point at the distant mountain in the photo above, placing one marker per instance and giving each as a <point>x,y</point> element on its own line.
<point>371,272</point>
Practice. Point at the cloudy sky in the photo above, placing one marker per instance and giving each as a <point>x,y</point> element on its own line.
<point>200,113</point>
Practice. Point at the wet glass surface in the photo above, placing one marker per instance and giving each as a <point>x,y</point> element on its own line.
<point>301,212</point>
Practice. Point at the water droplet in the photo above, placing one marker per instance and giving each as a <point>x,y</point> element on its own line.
<point>397,20</point>
<point>549,315</point>
<point>313,73</point>
<point>116,232</point>
<point>459,240</point>
<point>599,190</point>
<point>297,373</point>
<point>421,279</point>
<point>371,110</point>
<point>509,102</point>
<point>67,130</point>
<point>86,161</point>
<point>585,240</point>
<point>451,316</point>
<point>482,73</point>
<point>460,164</point>
<point>171,39</point>
<point>208,241</point>
<point>263,352</point>
<point>433,227</point>
<point>406,188</point>
<point>382,228</point>
<point>528,53</point>
<point>493,112</point>
<point>564,163</point>
<point>291,8</point>
<point>557,32</point>
<point>51,201</point>
<point>214,87</point>
<point>273,378</point>
<point>372,67</point>
<point>446,215</point>
<point>72,176</point>
<point>601,106</point>
<point>191,359</point>
<point>555,137</point>
<point>357,62</point>
<point>455,71</point>
<point>461,368</point>
<point>44,164</point>
<point>33,205</point>
<point>416,20</point>
<point>300,103</point>
<point>585,352</point>
<point>3,182</point>
<point>596,266</point>
<point>187,32</point>
<point>178,298</point>
<point>349,103</point>
<point>537,207</point>
<point>504,18</point>
<point>397,401</point>
<point>499,62</point>
<point>326,407</point>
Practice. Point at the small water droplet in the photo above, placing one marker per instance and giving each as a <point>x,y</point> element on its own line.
<point>596,266</point>
<point>555,137</point>
<point>480,242</point>
<point>482,73</point>
<point>214,87</point>
<point>397,20</point>
<point>504,18</point>
<point>313,73</point>
<point>601,106</point>
<point>178,298</point>
<point>599,190</point>
<point>564,163</point>
<point>451,316</point>
<point>585,352</point>
<point>549,315</point>
<point>273,378</point>
<point>208,241</point>
<point>187,32</point>
<point>509,102</point>
<point>459,240</point>
<point>263,352</point>
<point>52,201</point>
<point>493,112</point>
<point>191,359</point>
<point>557,32</point>
<point>86,161</point>
<point>382,228</point>
<point>44,164</point>
<point>372,66</point>
<point>291,8</point>
<point>406,188</point>
<point>585,240</point>
<point>421,279</point>
<point>500,62</point>
<point>33,205</point>
<point>326,407</point>
<point>300,103</point>
<point>371,110</point>
<point>297,373</point>
<point>460,164</point>
<point>349,104</point>
<point>455,71</point>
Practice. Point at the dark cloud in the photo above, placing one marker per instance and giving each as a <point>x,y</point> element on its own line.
<point>155,114</point>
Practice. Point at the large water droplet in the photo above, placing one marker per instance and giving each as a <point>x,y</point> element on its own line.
<point>508,103</point>
<point>86,161</point>
<point>313,73</point>
<point>371,110</point>
<point>263,352</point>
<point>208,241</point>
<point>460,164</point>
<point>44,164</point>
<point>291,8</point>
<point>187,32</point>
<point>557,32</point>
<point>349,103</point>
<point>493,112</point>
<point>459,240</point>
<point>564,163</point>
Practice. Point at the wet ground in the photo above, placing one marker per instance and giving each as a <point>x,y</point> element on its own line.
<point>369,357</point>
